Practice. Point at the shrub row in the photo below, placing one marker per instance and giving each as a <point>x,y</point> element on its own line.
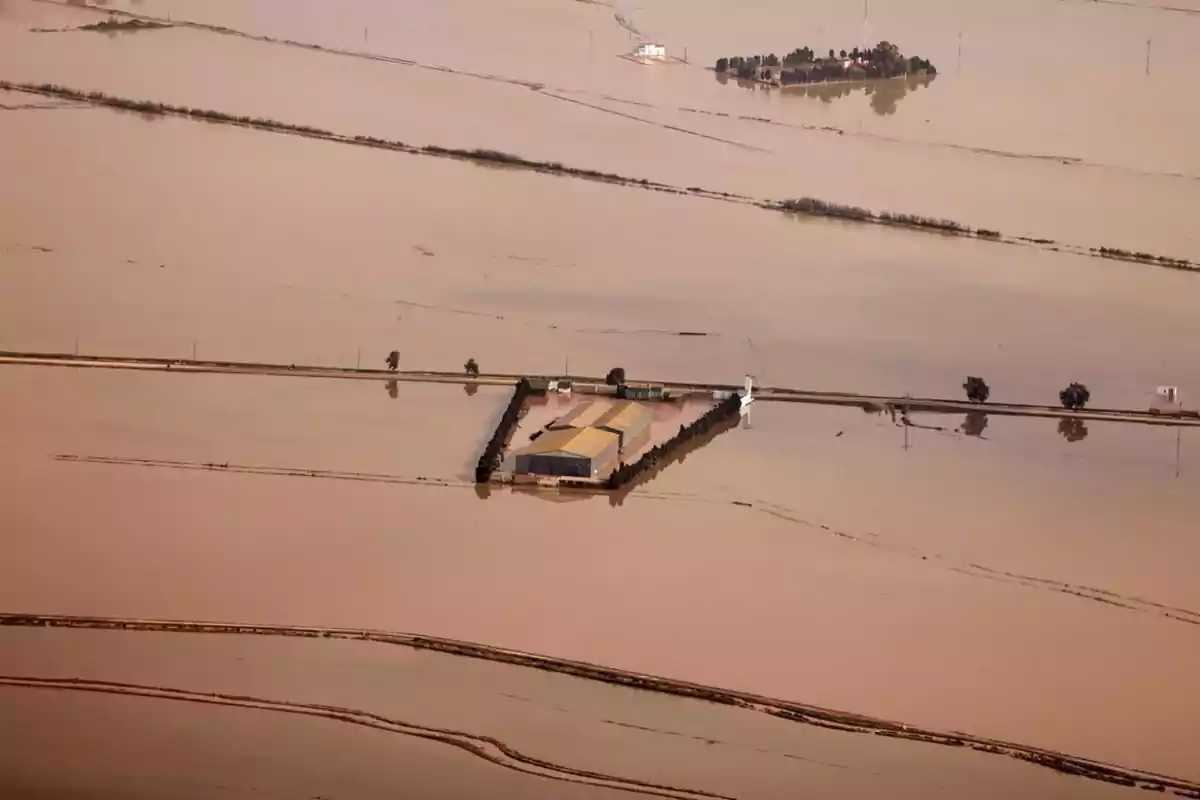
<point>917,221</point>
<point>1136,255</point>
<point>489,462</point>
<point>727,409</point>
<point>823,208</point>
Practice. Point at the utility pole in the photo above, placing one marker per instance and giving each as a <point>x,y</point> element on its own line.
<point>193,349</point>
<point>358,359</point>
<point>77,344</point>
<point>904,418</point>
<point>958,66</point>
<point>864,28</point>
<point>1149,42</point>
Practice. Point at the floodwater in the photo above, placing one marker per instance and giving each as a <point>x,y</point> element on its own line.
<point>1031,583</point>
<point>986,143</point>
<point>564,720</point>
<point>897,608</point>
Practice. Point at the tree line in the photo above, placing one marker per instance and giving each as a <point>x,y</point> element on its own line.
<point>723,411</point>
<point>802,65</point>
<point>489,462</point>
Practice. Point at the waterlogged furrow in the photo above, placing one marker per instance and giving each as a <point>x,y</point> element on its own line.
<point>806,206</point>
<point>485,747</point>
<point>796,712</point>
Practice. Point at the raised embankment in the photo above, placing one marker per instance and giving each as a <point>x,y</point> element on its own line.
<point>932,405</point>
<point>489,462</point>
<point>796,712</point>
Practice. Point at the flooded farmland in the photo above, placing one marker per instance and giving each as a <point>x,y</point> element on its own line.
<point>1027,580</point>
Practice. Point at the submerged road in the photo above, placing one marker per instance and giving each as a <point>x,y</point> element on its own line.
<point>588,384</point>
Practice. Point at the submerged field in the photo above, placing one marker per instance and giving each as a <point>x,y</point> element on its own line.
<point>1005,577</point>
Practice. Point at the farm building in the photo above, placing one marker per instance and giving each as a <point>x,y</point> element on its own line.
<point>569,452</point>
<point>650,50</point>
<point>627,420</point>
<point>583,416</point>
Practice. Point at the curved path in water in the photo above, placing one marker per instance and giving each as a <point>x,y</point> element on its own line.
<point>797,712</point>
<point>485,747</point>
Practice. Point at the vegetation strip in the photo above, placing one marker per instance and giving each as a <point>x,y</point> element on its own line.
<point>493,453</point>
<point>806,206</point>
<point>796,712</point>
<point>485,747</point>
<point>716,418</point>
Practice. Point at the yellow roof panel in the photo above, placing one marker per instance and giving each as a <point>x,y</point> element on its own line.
<point>585,442</point>
<point>622,416</point>
<point>581,416</point>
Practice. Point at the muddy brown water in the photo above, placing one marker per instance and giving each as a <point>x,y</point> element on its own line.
<point>560,719</point>
<point>985,143</point>
<point>129,236</point>
<point>311,265</point>
<point>677,581</point>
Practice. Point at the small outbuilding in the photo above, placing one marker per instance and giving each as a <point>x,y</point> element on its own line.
<point>570,453</point>
<point>650,50</point>
<point>627,420</point>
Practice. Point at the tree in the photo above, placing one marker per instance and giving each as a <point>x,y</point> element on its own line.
<point>393,360</point>
<point>771,60</point>
<point>1075,396</point>
<point>471,367</point>
<point>736,62</point>
<point>831,55</point>
<point>843,54</point>
<point>722,65</point>
<point>977,390</point>
<point>615,377</point>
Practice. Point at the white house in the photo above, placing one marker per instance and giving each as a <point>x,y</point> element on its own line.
<point>650,50</point>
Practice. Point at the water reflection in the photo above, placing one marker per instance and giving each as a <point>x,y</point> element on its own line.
<point>393,389</point>
<point>884,95</point>
<point>1073,430</point>
<point>471,389</point>
<point>975,423</point>
<point>483,490</point>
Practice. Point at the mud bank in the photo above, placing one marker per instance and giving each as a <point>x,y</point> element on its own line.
<point>804,206</point>
<point>796,712</point>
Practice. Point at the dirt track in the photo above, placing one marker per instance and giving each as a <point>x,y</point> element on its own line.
<point>796,712</point>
